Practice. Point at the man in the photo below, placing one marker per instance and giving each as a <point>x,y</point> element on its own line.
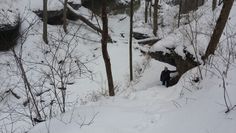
<point>165,76</point>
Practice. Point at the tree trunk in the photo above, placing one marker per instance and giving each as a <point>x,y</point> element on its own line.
<point>214,4</point>
<point>65,16</point>
<point>155,17</point>
<point>150,10</point>
<point>180,8</point>
<point>219,28</point>
<point>146,11</point>
<point>104,49</point>
<point>45,21</point>
<point>130,40</point>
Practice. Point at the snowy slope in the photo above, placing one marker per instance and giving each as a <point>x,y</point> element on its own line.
<point>153,109</point>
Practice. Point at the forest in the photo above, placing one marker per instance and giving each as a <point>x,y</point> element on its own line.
<point>117,66</point>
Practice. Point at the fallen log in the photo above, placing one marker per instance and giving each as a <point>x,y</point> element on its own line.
<point>86,21</point>
<point>140,36</point>
<point>149,41</point>
<point>83,19</point>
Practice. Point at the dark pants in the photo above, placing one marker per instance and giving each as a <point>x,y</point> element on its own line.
<point>166,83</point>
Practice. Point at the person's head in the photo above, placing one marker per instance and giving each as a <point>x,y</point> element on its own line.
<point>165,68</point>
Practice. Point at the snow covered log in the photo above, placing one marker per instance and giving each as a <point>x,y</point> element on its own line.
<point>148,41</point>
<point>140,36</point>
<point>9,29</point>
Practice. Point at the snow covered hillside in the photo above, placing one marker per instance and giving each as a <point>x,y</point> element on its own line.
<point>141,106</point>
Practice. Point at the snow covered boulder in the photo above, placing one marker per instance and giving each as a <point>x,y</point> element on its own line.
<point>9,29</point>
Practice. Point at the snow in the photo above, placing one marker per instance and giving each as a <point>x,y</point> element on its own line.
<point>141,106</point>
<point>8,17</point>
<point>151,109</point>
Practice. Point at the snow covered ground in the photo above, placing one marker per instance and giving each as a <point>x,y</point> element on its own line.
<point>143,106</point>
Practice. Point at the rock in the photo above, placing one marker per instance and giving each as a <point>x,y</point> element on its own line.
<point>172,58</point>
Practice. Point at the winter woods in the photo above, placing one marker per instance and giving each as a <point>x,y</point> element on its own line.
<point>63,59</point>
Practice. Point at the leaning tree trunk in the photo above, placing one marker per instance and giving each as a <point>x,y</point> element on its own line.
<point>219,28</point>
<point>155,17</point>
<point>65,16</point>
<point>45,21</point>
<point>86,21</point>
<point>104,49</point>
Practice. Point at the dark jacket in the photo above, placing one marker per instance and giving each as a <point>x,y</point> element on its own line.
<point>165,75</point>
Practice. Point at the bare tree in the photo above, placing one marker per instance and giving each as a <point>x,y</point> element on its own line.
<point>227,100</point>
<point>62,66</point>
<point>131,39</point>
<point>28,90</point>
<point>179,15</point>
<point>191,33</point>
<point>155,17</point>
<point>104,49</point>
<point>44,96</point>
<point>65,16</point>
<point>31,101</point>
<point>45,21</point>
<point>218,30</point>
<point>147,3</point>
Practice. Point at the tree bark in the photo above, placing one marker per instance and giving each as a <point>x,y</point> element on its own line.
<point>130,40</point>
<point>214,4</point>
<point>104,49</point>
<point>146,10</point>
<point>155,17</point>
<point>180,10</point>
<point>65,16</point>
<point>45,21</point>
<point>219,28</point>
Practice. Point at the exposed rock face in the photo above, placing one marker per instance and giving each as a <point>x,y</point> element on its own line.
<point>9,29</point>
<point>182,65</point>
<point>56,17</point>
<point>114,6</point>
